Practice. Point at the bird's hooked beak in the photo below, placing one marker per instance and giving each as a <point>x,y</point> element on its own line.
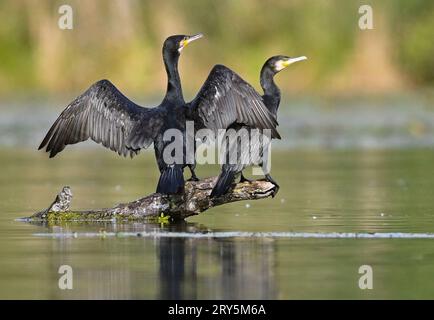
<point>187,40</point>
<point>282,64</point>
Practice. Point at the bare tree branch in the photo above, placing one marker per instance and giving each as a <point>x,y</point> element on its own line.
<point>157,206</point>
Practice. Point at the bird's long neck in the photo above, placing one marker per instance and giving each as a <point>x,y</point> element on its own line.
<point>174,89</point>
<point>271,90</point>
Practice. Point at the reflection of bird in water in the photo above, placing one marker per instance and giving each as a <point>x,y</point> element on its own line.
<point>257,152</point>
<point>105,115</point>
<point>172,253</point>
<point>216,268</point>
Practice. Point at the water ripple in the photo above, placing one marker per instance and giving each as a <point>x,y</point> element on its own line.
<point>241,234</point>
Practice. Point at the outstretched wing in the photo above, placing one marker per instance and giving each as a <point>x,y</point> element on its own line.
<point>105,115</point>
<point>225,98</point>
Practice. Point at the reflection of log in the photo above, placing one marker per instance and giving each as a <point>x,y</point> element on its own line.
<point>156,206</point>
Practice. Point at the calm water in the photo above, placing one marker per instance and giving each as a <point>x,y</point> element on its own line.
<point>335,191</point>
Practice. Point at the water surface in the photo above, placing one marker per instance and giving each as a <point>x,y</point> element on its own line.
<point>321,191</point>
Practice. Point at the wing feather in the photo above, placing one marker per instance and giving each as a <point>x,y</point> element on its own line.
<point>225,98</point>
<point>106,116</point>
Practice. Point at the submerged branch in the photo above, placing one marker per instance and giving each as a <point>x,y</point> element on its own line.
<point>193,201</point>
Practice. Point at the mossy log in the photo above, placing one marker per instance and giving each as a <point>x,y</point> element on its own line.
<point>157,207</point>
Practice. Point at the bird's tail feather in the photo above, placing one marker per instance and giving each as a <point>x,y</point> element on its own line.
<point>224,181</point>
<point>171,180</point>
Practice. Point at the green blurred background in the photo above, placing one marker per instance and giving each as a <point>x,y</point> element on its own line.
<point>357,121</point>
<point>121,41</point>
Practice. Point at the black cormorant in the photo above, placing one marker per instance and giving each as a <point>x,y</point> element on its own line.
<point>248,156</point>
<point>105,115</point>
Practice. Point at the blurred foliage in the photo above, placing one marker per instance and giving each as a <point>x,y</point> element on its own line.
<point>121,40</point>
<point>413,22</point>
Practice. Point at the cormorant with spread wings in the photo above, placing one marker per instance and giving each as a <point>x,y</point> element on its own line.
<point>106,116</point>
<point>257,152</point>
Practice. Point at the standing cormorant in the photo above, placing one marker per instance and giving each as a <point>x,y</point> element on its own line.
<point>105,115</point>
<point>246,156</point>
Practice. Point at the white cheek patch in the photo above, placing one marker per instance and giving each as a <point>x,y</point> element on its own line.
<point>279,65</point>
<point>181,45</point>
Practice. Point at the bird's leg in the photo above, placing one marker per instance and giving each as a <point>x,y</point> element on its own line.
<point>244,179</point>
<point>270,179</point>
<point>193,174</point>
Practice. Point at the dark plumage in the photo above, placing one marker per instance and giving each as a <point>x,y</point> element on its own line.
<point>225,98</point>
<point>246,156</point>
<point>106,116</point>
